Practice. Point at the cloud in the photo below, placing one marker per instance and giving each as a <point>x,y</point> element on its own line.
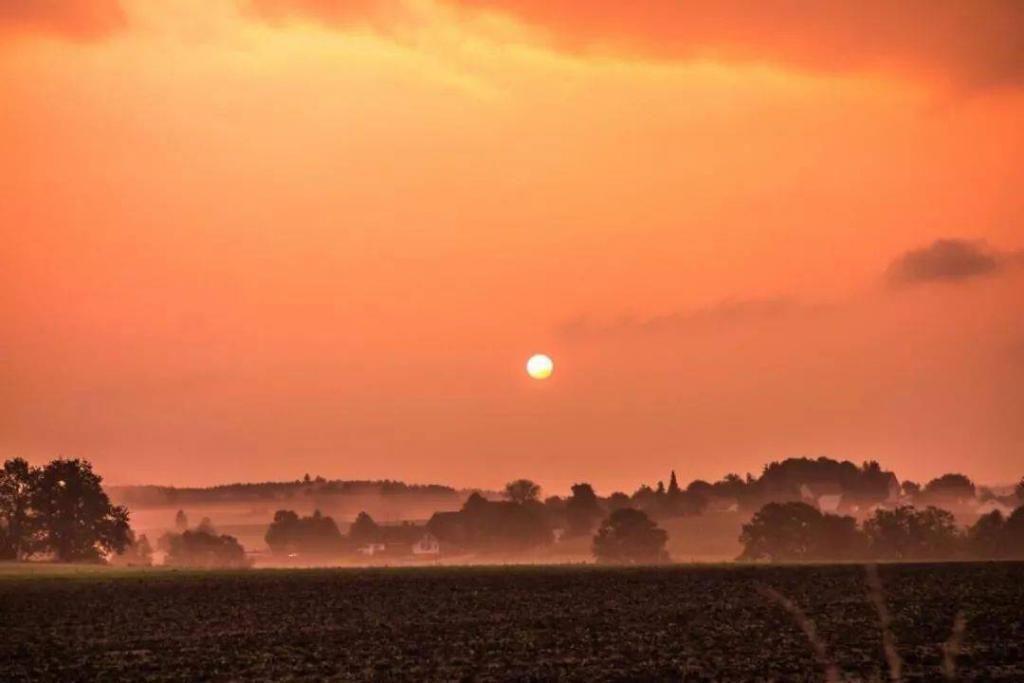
<point>977,42</point>
<point>722,315</point>
<point>381,14</point>
<point>947,260</point>
<point>72,19</point>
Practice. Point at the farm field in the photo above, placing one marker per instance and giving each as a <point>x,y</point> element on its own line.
<point>489,623</point>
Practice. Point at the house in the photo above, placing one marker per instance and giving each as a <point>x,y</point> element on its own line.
<point>371,549</point>
<point>449,527</point>
<point>427,545</point>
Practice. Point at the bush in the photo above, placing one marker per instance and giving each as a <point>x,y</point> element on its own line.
<point>316,534</point>
<point>628,536</point>
<point>907,533</point>
<point>203,549</point>
<point>798,532</point>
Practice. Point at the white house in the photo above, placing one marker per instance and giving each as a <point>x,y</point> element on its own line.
<point>427,545</point>
<point>371,549</point>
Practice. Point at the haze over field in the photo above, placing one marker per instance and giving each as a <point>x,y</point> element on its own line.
<point>249,239</point>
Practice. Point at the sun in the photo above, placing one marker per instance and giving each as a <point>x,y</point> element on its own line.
<point>540,366</point>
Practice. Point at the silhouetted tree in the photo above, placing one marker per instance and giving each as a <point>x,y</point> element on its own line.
<point>503,526</point>
<point>949,488</point>
<point>911,489</point>
<point>628,536</point>
<point>281,532</point>
<point>17,531</point>
<point>794,478</point>
<point>181,521</point>
<point>1014,538</point>
<point>617,501</point>
<point>731,485</point>
<point>701,488</point>
<point>798,532</point>
<point>205,550</point>
<point>522,491</point>
<point>907,533</point>
<point>315,534</point>
<point>1019,490</point>
<point>868,485</point>
<point>643,497</point>
<point>582,510</point>
<point>206,526</point>
<point>673,485</point>
<point>987,538</point>
<point>75,517</point>
<point>364,530</point>
<point>138,553</point>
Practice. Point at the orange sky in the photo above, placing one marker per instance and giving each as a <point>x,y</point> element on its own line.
<point>250,239</point>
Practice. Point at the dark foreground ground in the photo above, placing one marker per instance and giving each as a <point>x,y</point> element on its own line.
<point>583,623</point>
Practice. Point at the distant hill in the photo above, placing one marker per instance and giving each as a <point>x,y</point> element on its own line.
<point>152,496</point>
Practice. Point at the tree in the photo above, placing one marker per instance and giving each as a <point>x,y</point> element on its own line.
<point>793,531</point>
<point>280,536</point>
<point>1019,490</point>
<point>205,550</point>
<point>628,536</point>
<point>522,491</point>
<point>138,553</point>
<point>701,488</point>
<point>181,521</point>
<point>617,500</point>
<point>582,510</point>
<point>17,531</point>
<point>987,538</point>
<point>75,517</point>
<point>364,530</point>
<point>502,526</point>
<point>949,488</point>
<point>314,534</point>
<point>643,497</point>
<point>911,489</point>
<point>907,533</point>
<point>673,485</point>
<point>1014,537</point>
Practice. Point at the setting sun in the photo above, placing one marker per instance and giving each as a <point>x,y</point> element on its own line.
<point>540,366</point>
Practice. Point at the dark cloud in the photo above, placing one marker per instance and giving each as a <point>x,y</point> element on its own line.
<point>946,260</point>
<point>72,19</point>
<point>978,42</point>
<point>723,315</point>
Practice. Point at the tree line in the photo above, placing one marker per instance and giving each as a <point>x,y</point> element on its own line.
<point>484,527</point>
<point>165,496</point>
<point>798,532</point>
<point>61,511</point>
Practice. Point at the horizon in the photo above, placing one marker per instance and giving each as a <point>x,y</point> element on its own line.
<point>544,490</point>
<point>279,236</point>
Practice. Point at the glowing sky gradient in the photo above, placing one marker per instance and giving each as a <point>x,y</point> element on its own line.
<point>246,240</point>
